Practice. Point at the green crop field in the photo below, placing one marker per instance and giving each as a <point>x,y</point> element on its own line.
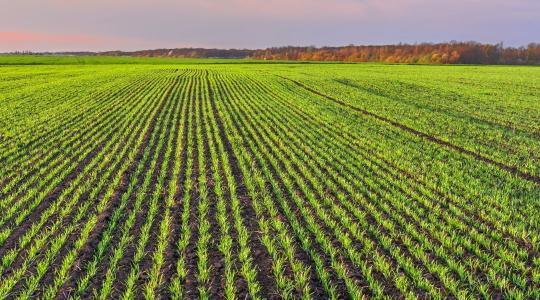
<point>203,179</point>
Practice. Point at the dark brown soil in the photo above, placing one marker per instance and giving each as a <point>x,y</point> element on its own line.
<point>48,276</point>
<point>171,256</point>
<point>216,260</point>
<point>147,261</point>
<point>259,252</point>
<point>127,261</point>
<point>154,125</point>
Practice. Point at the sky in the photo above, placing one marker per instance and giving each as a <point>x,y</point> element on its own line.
<point>101,25</point>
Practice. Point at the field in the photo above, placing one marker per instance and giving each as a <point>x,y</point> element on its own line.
<point>215,180</point>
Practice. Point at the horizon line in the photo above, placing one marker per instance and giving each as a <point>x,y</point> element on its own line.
<point>269,47</point>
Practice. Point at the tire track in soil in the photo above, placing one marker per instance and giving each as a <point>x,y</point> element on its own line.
<point>259,252</point>
<point>510,169</point>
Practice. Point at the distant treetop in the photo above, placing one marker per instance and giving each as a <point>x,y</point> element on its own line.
<point>424,53</point>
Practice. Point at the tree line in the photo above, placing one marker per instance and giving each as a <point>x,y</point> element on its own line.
<point>425,53</point>
<point>185,53</point>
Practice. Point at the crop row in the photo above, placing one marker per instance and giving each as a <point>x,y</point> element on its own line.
<point>256,182</point>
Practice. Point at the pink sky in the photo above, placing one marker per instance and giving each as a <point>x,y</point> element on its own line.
<point>43,41</point>
<point>57,25</point>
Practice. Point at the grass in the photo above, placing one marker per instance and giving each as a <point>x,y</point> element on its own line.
<point>152,177</point>
<point>6,59</point>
